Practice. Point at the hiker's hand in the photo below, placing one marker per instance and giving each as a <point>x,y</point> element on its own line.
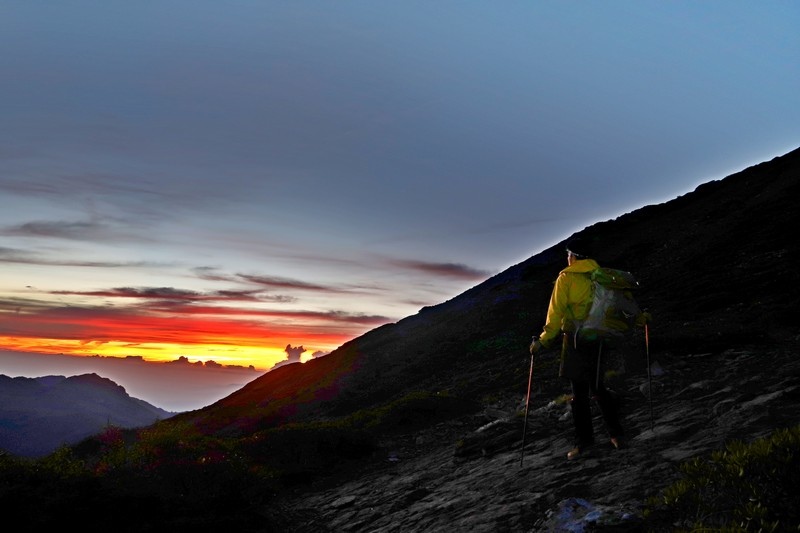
<point>536,346</point>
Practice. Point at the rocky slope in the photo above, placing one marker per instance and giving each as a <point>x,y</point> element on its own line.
<point>719,273</point>
<point>454,478</point>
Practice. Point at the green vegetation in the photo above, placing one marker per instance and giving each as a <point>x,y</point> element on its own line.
<point>177,474</point>
<point>745,487</point>
<point>123,481</point>
<point>497,344</point>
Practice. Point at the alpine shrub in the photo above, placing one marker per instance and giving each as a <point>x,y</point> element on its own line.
<point>745,487</point>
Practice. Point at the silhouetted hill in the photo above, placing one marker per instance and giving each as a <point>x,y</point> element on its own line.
<point>37,415</point>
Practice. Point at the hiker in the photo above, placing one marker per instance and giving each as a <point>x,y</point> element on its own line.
<point>569,304</point>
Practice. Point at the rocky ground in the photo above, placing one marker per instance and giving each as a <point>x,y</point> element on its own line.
<point>470,474</point>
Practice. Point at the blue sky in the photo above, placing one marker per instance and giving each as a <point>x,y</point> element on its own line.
<point>298,173</point>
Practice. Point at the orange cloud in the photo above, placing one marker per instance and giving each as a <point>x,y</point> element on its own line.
<point>165,330</point>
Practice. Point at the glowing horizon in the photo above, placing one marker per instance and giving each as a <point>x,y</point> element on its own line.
<point>260,358</point>
<point>161,330</point>
<point>235,319</point>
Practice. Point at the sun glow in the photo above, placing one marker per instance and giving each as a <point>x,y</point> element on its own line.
<point>260,357</point>
<point>243,337</point>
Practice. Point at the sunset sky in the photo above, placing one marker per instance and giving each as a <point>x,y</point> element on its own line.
<point>218,180</point>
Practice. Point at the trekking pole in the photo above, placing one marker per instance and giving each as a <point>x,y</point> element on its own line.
<point>649,372</point>
<point>525,423</point>
<point>599,356</point>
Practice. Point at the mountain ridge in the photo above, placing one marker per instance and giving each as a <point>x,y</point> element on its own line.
<point>37,415</point>
<point>515,300</point>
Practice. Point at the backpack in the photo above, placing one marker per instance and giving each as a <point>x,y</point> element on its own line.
<point>613,313</point>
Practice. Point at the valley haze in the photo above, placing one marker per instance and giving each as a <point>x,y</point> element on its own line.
<point>175,386</point>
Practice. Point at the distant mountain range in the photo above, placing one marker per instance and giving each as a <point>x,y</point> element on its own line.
<point>37,415</point>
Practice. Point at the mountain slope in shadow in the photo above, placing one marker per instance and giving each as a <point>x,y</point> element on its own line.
<point>717,267</point>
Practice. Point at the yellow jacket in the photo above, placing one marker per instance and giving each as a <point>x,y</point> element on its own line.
<point>570,300</point>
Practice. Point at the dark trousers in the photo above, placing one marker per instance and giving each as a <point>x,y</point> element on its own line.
<point>588,386</point>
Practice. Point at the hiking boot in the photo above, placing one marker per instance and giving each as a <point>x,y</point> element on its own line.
<point>577,450</point>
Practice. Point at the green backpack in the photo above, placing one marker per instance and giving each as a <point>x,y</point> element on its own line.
<point>613,313</point>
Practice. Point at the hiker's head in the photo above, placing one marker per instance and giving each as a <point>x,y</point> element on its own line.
<point>578,249</point>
